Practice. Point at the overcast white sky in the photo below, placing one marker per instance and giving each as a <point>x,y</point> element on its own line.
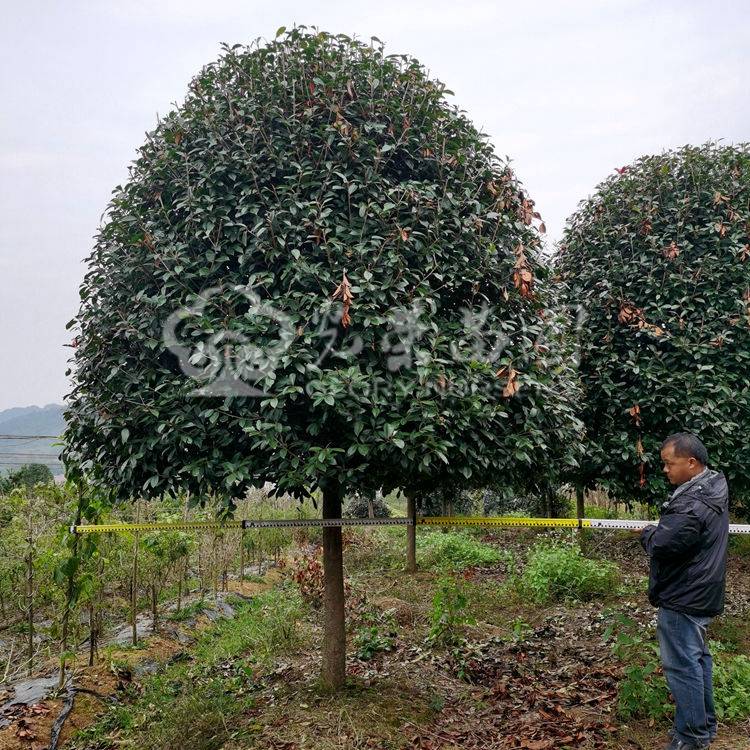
<point>568,89</point>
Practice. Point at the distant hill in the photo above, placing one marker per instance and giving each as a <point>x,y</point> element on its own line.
<point>31,420</point>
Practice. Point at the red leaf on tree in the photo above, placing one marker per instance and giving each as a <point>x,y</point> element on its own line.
<point>629,313</point>
<point>526,209</point>
<point>512,385</point>
<point>523,278</point>
<point>344,292</point>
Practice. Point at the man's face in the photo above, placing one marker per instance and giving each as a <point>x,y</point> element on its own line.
<point>679,469</point>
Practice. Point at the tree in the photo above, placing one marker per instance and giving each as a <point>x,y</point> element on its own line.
<point>658,261</point>
<point>166,550</point>
<point>350,277</point>
<point>367,506</point>
<point>27,476</point>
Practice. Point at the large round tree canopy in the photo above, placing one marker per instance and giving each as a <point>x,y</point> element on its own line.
<point>318,267</point>
<point>658,259</point>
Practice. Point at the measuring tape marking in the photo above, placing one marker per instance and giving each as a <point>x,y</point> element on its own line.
<point>325,522</point>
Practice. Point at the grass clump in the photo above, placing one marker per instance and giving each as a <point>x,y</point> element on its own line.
<point>597,511</point>
<point>739,544</point>
<point>643,691</point>
<point>376,633</point>
<point>556,571</point>
<point>449,614</point>
<point>731,680</point>
<point>455,550</point>
<point>188,611</point>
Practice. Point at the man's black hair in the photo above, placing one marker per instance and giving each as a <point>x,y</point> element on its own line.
<point>687,445</point>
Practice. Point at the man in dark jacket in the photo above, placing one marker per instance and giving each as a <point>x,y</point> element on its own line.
<point>688,553</point>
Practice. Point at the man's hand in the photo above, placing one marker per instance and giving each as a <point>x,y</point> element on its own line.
<point>637,531</point>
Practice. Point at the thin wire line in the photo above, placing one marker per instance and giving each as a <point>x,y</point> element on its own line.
<point>29,437</point>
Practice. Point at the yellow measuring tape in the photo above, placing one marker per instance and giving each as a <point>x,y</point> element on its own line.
<point>501,521</point>
<point>155,526</point>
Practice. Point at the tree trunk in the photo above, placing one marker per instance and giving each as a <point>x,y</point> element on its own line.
<point>200,566</point>
<point>370,508</point>
<point>242,557</point>
<point>411,535</point>
<point>154,607</point>
<point>92,633</point>
<point>30,605</point>
<point>215,567</point>
<point>182,569</point>
<point>580,510</point>
<point>134,592</point>
<point>551,502</point>
<point>30,581</point>
<point>333,669</point>
<point>70,590</point>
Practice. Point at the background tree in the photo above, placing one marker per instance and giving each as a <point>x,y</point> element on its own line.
<point>658,259</point>
<point>336,235</point>
<point>166,550</point>
<point>30,534</point>
<point>371,505</point>
<point>27,476</point>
